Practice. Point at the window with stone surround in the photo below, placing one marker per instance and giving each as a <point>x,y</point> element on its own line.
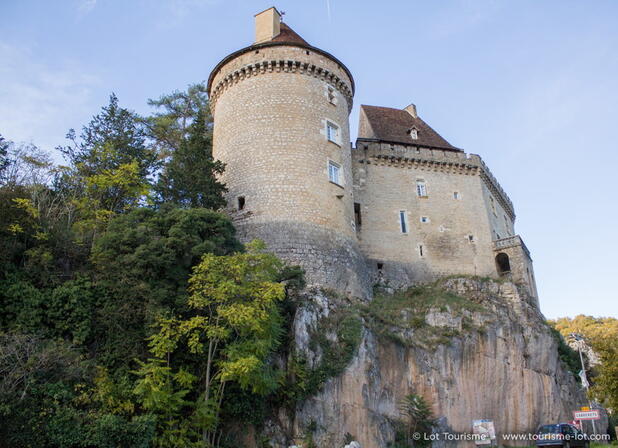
<point>421,188</point>
<point>403,221</point>
<point>333,133</point>
<point>424,219</point>
<point>334,173</point>
<point>331,95</point>
<point>456,195</point>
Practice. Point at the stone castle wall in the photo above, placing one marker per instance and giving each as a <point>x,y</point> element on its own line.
<point>271,106</point>
<point>451,231</point>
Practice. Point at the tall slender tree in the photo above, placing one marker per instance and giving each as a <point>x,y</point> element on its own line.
<point>181,130</point>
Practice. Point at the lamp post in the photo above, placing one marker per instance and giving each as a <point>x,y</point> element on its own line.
<point>579,340</point>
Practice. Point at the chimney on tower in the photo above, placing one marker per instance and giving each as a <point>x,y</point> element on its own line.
<point>411,109</point>
<point>267,25</point>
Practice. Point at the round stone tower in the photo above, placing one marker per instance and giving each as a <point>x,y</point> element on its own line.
<point>281,125</point>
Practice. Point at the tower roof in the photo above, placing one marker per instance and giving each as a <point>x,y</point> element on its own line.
<point>273,33</point>
<point>288,35</point>
<point>395,126</point>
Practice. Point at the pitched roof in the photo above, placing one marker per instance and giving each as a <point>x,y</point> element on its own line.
<point>287,34</point>
<point>394,125</point>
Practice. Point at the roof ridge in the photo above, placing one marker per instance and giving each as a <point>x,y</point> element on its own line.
<point>393,125</point>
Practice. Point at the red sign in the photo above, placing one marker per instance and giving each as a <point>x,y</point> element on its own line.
<point>587,415</point>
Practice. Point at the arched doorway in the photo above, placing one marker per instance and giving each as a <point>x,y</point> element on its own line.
<point>503,264</point>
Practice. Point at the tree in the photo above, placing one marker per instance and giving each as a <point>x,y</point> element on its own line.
<point>169,126</point>
<point>4,160</point>
<point>601,336</point>
<point>418,418</point>
<point>122,134</point>
<point>181,129</point>
<point>234,327</point>
<point>111,163</point>
<point>142,266</point>
<point>189,178</point>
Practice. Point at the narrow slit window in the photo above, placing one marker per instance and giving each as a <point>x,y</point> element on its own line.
<point>334,173</point>
<point>241,202</point>
<point>421,251</point>
<point>403,221</point>
<point>358,218</point>
<point>421,188</point>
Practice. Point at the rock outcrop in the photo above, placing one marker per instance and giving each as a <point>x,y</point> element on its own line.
<point>480,351</point>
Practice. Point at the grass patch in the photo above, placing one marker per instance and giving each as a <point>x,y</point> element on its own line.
<point>399,315</point>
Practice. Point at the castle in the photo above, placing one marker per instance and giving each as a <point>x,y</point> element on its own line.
<point>403,206</point>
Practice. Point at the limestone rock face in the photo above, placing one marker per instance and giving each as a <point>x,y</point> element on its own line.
<point>505,368</point>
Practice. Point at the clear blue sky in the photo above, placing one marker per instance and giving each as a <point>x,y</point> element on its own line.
<point>530,85</point>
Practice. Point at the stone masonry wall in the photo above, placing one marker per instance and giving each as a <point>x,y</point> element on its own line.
<point>457,237</point>
<point>270,131</point>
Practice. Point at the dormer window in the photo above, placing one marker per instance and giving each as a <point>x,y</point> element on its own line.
<point>413,133</point>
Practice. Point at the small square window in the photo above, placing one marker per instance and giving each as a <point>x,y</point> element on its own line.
<point>380,266</point>
<point>424,219</point>
<point>471,238</point>
<point>455,194</point>
<point>334,173</point>
<point>332,132</point>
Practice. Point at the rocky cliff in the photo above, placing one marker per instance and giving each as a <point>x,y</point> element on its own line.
<point>472,348</point>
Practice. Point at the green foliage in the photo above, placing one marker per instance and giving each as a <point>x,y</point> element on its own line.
<point>189,178</point>
<point>601,334</point>
<point>338,337</point>
<point>170,125</point>
<point>113,138</point>
<point>46,399</point>
<point>567,355</point>
<point>145,258</point>
<point>181,130</point>
<point>104,342</point>
<point>417,417</point>
<point>391,315</point>
<point>233,328</point>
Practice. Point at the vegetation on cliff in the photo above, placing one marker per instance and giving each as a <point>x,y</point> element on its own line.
<point>128,309</point>
<point>601,335</point>
<point>402,316</point>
